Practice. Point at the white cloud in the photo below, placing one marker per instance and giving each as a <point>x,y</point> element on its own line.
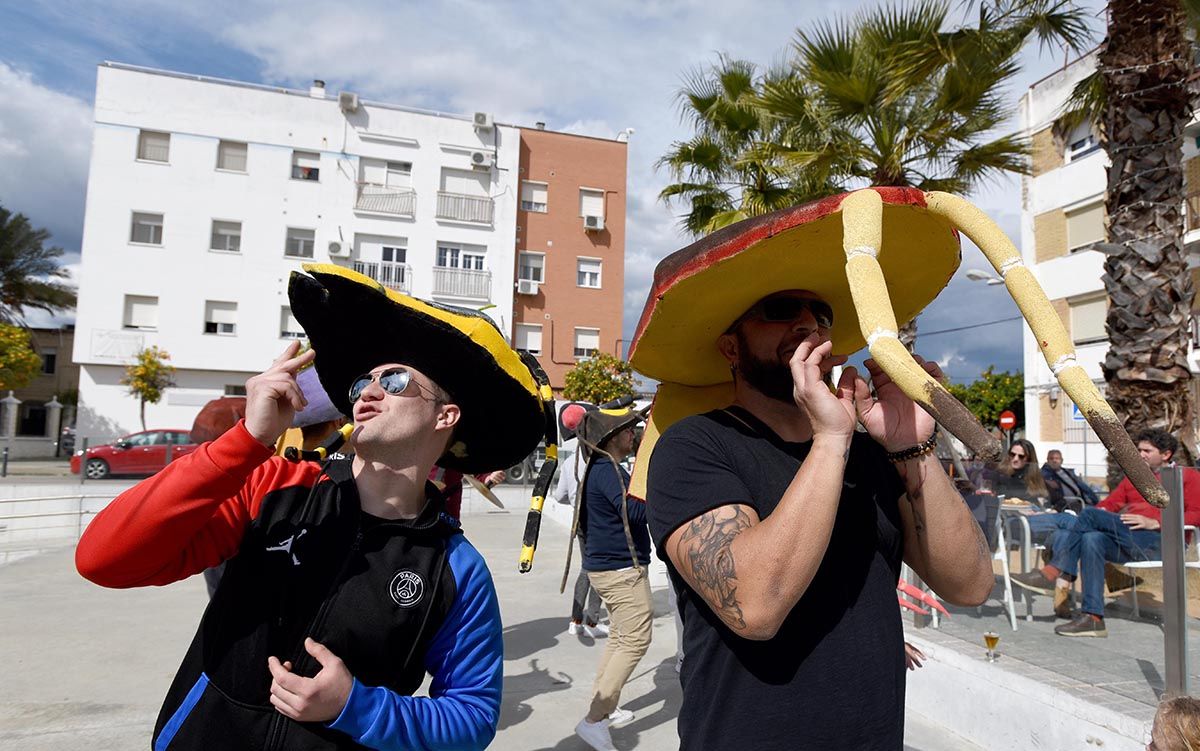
<point>45,142</point>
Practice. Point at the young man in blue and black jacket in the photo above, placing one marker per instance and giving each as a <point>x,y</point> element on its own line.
<point>345,581</point>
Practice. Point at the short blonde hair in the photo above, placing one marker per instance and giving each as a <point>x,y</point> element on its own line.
<point>1176,725</point>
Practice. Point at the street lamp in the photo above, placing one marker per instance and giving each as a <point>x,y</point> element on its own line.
<point>976,275</point>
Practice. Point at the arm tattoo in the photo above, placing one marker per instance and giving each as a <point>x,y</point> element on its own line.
<point>708,541</point>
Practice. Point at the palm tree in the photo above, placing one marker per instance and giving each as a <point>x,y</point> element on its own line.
<point>1146,65</point>
<point>29,271</point>
<point>884,98</point>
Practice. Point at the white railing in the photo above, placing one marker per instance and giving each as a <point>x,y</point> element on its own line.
<point>385,200</point>
<point>465,208</point>
<point>396,276</point>
<point>470,284</point>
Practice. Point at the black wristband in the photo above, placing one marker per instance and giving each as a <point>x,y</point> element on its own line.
<point>912,452</point>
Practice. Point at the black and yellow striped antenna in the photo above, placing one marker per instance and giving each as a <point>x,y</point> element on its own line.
<point>533,523</point>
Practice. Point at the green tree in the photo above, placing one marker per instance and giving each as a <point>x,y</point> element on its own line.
<point>599,379</point>
<point>19,364</point>
<point>30,275</point>
<point>148,377</point>
<point>991,394</point>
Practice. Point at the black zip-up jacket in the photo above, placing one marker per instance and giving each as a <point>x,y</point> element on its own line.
<point>392,599</point>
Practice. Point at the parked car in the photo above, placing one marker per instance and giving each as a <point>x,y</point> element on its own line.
<point>141,453</point>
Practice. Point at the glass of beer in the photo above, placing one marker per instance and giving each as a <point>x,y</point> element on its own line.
<point>991,639</point>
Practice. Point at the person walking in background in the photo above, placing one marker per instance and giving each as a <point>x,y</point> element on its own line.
<point>616,556</point>
<point>585,600</point>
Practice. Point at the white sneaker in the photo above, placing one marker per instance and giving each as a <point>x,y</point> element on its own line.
<point>595,734</point>
<point>574,629</point>
<point>619,718</point>
<point>598,631</point>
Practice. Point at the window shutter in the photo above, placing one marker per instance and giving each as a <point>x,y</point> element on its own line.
<point>231,156</point>
<point>591,203</point>
<point>1087,320</point>
<point>1085,226</point>
<point>220,312</point>
<point>141,312</point>
<point>587,338</point>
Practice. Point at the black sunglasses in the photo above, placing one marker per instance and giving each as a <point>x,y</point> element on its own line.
<point>1015,455</point>
<point>394,381</point>
<point>788,309</point>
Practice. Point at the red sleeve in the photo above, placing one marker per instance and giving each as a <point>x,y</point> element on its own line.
<point>1121,497</point>
<point>1191,497</point>
<point>186,518</point>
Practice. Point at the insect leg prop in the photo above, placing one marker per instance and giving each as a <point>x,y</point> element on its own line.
<point>1052,338</point>
<point>862,226</point>
<point>533,522</point>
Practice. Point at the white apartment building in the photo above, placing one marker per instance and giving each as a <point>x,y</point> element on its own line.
<point>205,194</point>
<point>1062,215</point>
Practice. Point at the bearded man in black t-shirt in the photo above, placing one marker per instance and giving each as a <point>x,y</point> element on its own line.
<point>784,529</point>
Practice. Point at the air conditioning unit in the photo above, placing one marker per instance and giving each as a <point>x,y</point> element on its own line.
<point>483,121</point>
<point>483,159</point>
<point>338,250</point>
<point>593,223</point>
<point>527,287</point>
<point>348,101</point>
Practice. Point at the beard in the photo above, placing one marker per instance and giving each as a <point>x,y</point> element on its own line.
<point>772,379</point>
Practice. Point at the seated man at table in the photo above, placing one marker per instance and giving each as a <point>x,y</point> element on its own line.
<point>1067,489</point>
<point>1123,527</point>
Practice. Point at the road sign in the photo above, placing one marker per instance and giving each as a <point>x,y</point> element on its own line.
<point>1076,414</point>
<point>1008,420</point>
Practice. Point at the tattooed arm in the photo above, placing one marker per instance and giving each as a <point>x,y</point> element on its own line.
<point>751,573</point>
<point>942,541</point>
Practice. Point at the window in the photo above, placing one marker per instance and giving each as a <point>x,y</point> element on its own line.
<point>528,336</point>
<point>233,389</point>
<point>147,229</point>
<point>1087,319</point>
<point>220,318</point>
<point>591,202</point>
<point>587,342</point>
<point>141,312</point>
<point>399,175</point>
<point>392,254</point>
<point>144,439</point>
<point>1085,226</point>
<point>533,196</point>
<point>588,273</point>
<point>465,182</point>
<point>456,257</point>
<point>154,147</point>
<point>289,327</point>
<point>306,165</point>
<point>49,360</point>
<point>231,156</point>
<point>226,236</point>
<point>531,266</point>
<point>300,243</point>
<point>1080,142</point>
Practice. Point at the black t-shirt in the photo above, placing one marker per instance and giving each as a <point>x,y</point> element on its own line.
<point>833,676</point>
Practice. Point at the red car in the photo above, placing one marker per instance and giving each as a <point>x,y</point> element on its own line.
<point>135,454</point>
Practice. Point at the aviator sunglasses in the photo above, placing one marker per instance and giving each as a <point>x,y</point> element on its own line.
<point>394,381</point>
<point>788,309</point>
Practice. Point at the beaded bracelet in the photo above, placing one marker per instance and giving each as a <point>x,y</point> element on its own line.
<point>912,452</point>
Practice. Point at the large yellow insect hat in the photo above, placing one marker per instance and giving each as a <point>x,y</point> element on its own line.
<point>699,291</point>
<point>355,324</point>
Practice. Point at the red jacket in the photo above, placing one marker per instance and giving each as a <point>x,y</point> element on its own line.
<point>1126,500</point>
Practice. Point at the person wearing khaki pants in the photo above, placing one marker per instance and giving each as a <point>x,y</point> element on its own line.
<point>627,594</point>
<point>616,554</point>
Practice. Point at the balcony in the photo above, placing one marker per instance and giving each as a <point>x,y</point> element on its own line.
<point>380,199</point>
<point>465,283</point>
<point>397,276</point>
<point>464,208</point>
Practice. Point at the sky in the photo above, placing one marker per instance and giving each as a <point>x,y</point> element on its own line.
<point>589,68</point>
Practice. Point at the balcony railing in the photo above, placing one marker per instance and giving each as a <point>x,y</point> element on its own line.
<point>1192,209</point>
<point>473,285</point>
<point>397,276</point>
<point>385,200</point>
<point>465,208</point>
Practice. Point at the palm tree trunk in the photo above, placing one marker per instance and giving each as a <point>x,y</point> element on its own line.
<point>1146,64</point>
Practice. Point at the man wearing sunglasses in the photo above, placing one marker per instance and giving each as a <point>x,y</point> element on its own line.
<point>346,582</point>
<point>784,528</point>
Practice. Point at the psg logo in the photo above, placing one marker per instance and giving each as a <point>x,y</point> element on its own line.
<point>406,588</point>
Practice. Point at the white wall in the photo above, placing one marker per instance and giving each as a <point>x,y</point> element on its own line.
<point>190,192</point>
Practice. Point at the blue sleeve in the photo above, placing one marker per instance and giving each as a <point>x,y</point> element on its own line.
<point>466,660</point>
<point>614,491</point>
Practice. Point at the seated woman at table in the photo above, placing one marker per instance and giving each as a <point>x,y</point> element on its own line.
<point>1021,476</point>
